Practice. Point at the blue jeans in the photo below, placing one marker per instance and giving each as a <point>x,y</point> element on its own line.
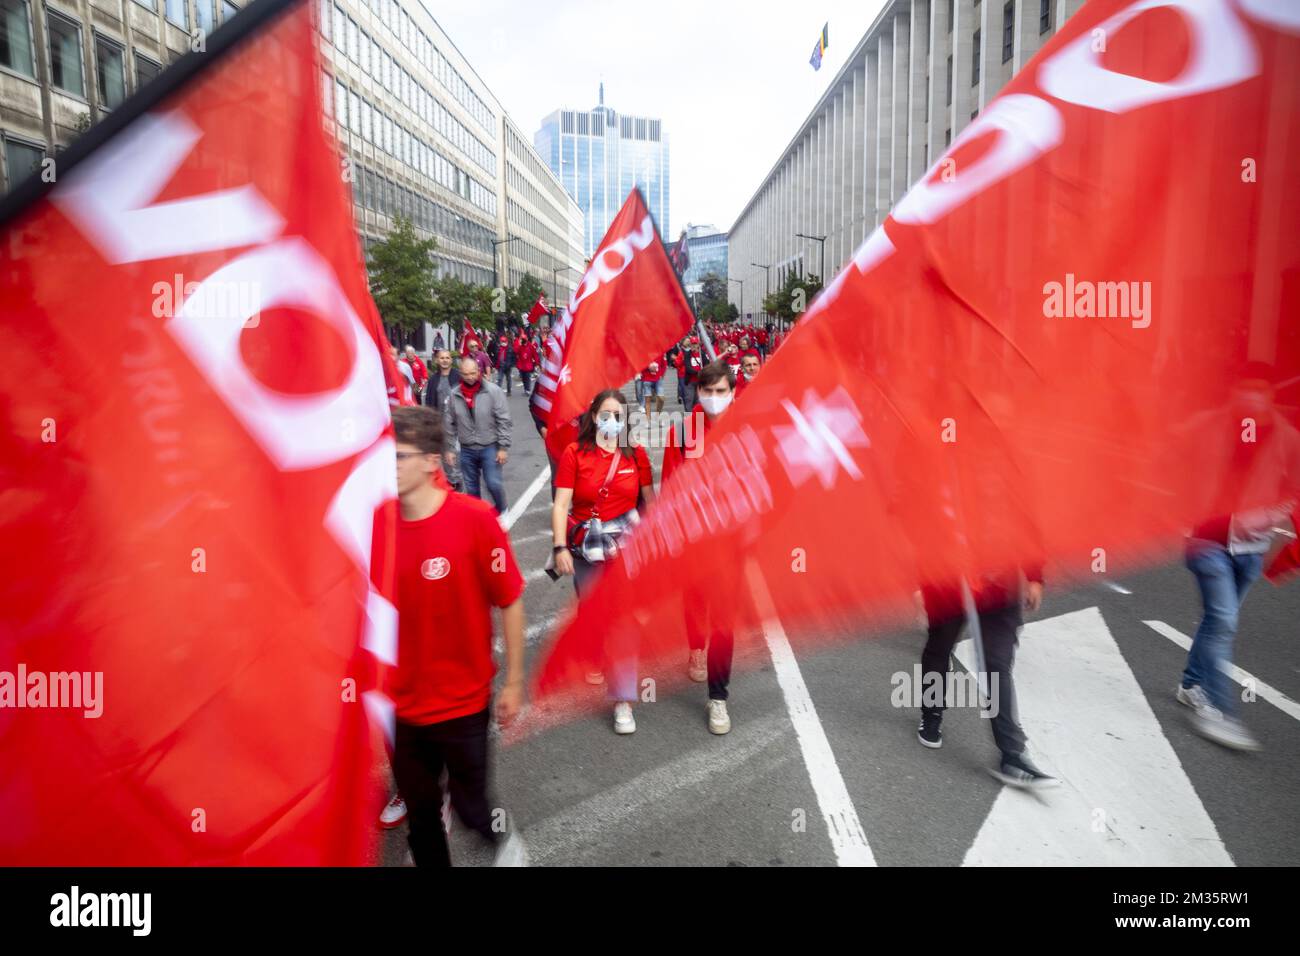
<point>482,459</point>
<point>1224,579</point>
<point>640,391</point>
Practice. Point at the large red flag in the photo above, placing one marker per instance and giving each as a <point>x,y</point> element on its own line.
<point>197,459</point>
<point>628,308</point>
<point>1033,356</point>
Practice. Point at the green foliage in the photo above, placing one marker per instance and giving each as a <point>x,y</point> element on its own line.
<point>711,302</point>
<point>521,298</point>
<point>793,298</point>
<point>401,276</point>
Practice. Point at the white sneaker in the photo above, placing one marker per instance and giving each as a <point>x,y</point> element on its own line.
<point>1225,731</point>
<point>719,721</point>
<point>1195,697</point>
<point>697,667</point>
<point>624,722</point>
<point>393,814</point>
<point>511,852</point>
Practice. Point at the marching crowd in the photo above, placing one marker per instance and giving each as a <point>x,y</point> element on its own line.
<point>455,565</point>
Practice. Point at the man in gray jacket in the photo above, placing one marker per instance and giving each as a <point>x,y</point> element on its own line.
<point>478,418</point>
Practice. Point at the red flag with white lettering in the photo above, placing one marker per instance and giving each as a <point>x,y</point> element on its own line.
<point>198,464</point>
<point>1040,353</point>
<point>538,310</point>
<point>628,308</point>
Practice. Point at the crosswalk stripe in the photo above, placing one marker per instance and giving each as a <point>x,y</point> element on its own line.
<point>1267,691</point>
<point>848,839</point>
<point>519,507</point>
<point>1125,798</point>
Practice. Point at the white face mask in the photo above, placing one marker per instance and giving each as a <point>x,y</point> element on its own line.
<point>715,404</point>
<point>609,427</point>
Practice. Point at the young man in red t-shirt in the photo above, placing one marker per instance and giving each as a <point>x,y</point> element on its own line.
<point>454,564</point>
<point>716,391</point>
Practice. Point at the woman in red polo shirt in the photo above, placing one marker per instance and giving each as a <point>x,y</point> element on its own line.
<point>598,483</point>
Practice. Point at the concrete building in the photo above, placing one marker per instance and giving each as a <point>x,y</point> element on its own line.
<point>64,64</point>
<point>425,136</point>
<point>922,72</point>
<point>600,155</point>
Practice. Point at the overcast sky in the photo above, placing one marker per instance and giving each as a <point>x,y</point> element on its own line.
<point>730,80</point>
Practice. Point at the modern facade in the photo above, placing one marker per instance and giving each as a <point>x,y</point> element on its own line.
<point>922,72</point>
<point>425,137</point>
<point>706,250</point>
<point>599,155</point>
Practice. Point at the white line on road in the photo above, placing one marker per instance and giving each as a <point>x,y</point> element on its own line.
<point>848,839</point>
<point>1270,693</point>
<point>532,537</point>
<point>519,507</point>
<point>1125,799</point>
<point>1117,588</point>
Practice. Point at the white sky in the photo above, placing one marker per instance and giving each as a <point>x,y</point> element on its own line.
<point>730,80</point>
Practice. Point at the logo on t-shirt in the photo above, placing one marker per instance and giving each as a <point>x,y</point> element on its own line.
<point>435,568</point>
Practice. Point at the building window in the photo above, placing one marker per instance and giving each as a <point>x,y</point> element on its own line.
<point>178,12</point>
<point>949,80</point>
<point>145,70</point>
<point>1044,16</point>
<point>110,72</point>
<point>22,159</point>
<point>975,59</point>
<point>951,14</point>
<point>16,37</point>
<point>65,55</point>
<point>1008,30</point>
<point>206,15</point>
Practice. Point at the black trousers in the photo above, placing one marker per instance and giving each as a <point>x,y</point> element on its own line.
<point>420,754</point>
<point>721,646</point>
<point>1000,633</point>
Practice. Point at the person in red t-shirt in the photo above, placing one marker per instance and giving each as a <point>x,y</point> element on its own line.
<point>601,476</point>
<point>454,564</point>
<point>419,370</point>
<point>526,358</point>
<point>652,383</point>
<point>716,391</point>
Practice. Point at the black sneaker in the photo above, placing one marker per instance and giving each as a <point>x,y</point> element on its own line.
<point>929,733</point>
<point>1017,771</point>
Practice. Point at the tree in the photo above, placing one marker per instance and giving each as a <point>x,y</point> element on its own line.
<point>711,302</point>
<point>522,297</point>
<point>401,276</point>
<point>455,300</point>
<point>793,298</point>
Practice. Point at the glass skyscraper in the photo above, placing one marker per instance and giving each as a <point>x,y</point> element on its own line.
<point>599,155</point>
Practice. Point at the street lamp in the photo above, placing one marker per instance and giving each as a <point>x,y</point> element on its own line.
<point>555,278</point>
<point>495,268</point>
<point>742,292</point>
<point>822,240</point>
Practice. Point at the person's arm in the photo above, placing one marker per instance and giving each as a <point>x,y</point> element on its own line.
<point>501,411</point>
<point>560,530</point>
<point>511,698</point>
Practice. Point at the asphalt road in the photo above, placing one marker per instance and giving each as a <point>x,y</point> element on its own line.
<point>820,768</point>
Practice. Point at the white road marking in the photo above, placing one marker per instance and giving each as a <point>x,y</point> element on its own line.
<point>669,789</point>
<point>848,839</point>
<point>1117,588</point>
<point>532,537</point>
<point>1270,693</point>
<point>1125,799</point>
<point>519,507</point>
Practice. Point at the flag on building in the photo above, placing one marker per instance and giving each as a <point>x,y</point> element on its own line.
<point>628,308</point>
<point>945,412</point>
<point>819,50</point>
<point>194,482</point>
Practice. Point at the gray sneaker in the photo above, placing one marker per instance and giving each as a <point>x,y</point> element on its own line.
<point>1223,730</point>
<point>1017,771</point>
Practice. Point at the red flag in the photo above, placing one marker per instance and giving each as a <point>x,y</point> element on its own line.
<point>1285,564</point>
<point>628,308</point>
<point>1009,365</point>
<point>198,459</point>
<point>468,340</point>
<point>538,310</point>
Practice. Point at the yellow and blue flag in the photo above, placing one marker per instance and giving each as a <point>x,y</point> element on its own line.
<point>823,42</point>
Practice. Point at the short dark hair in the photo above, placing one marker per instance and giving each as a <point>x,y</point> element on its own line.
<point>714,372</point>
<point>420,426</point>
